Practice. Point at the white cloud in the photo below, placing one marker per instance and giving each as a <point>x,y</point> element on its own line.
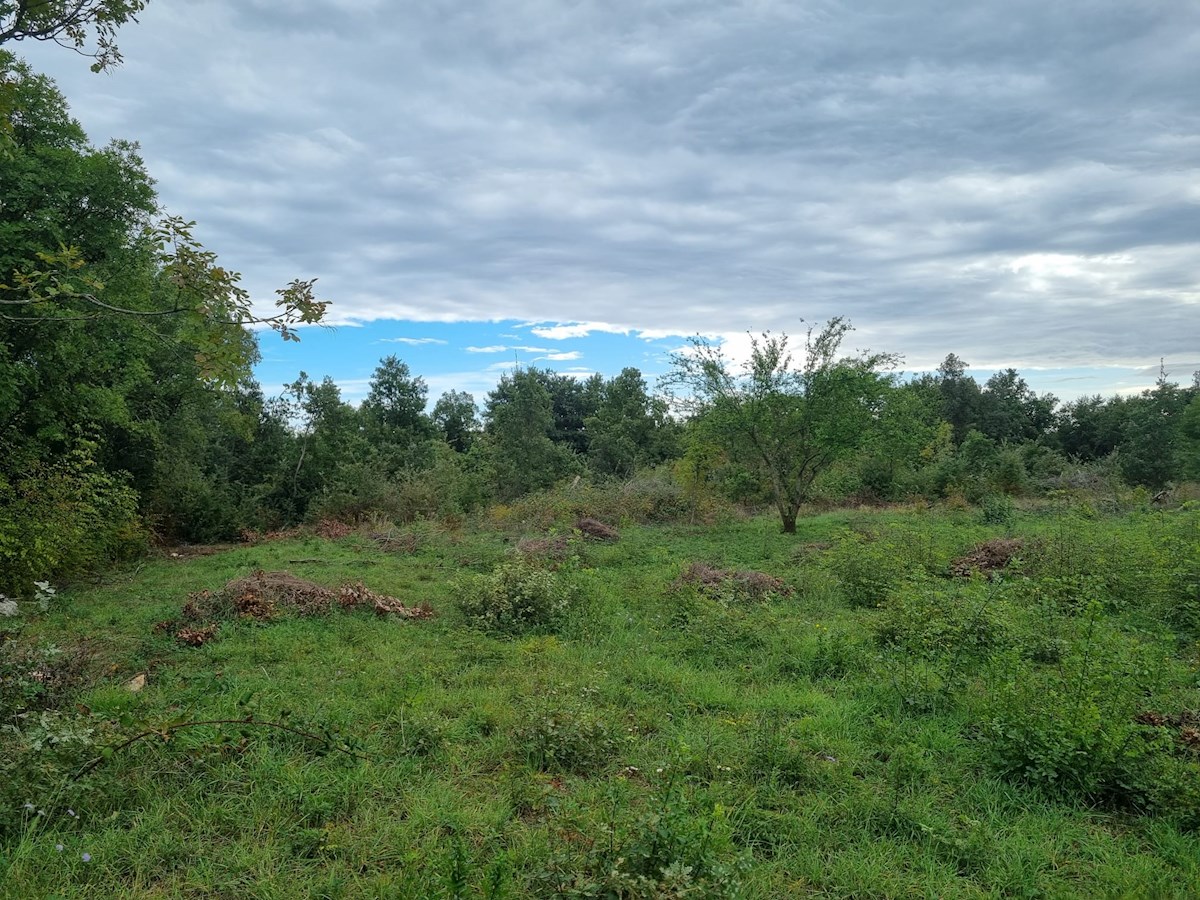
<point>575,330</point>
<point>412,342</point>
<point>564,356</point>
<point>502,348</point>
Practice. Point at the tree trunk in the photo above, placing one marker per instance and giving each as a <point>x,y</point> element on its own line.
<point>789,521</point>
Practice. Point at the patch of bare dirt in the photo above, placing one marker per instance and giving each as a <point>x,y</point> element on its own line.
<point>596,530</point>
<point>748,584</point>
<point>990,556</point>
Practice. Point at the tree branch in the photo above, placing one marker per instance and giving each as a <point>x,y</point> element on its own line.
<point>167,730</point>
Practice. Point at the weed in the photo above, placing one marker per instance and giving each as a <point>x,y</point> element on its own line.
<point>565,739</point>
<point>870,568</point>
<point>997,509</point>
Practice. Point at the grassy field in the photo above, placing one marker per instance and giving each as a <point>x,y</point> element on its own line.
<point>879,723</point>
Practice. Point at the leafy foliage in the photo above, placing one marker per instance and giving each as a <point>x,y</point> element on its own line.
<point>793,422</point>
<point>86,26</point>
<point>516,597</point>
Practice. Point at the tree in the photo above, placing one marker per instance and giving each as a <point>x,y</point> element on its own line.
<point>791,421</point>
<point>456,417</point>
<point>571,402</point>
<point>82,241</point>
<point>629,427</point>
<point>1189,435</point>
<point>1010,411</point>
<point>87,26</point>
<point>1149,453</point>
<point>329,437</point>
<point>960,396</point>
<point>1091,428</point>
<point>520,420</point>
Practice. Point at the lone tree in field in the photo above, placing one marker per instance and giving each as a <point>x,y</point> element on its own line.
<point>792,421</point>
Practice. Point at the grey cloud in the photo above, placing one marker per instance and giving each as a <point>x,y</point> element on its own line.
<point>1011,181</point>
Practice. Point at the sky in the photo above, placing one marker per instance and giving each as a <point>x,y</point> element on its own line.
<point>582,185</point>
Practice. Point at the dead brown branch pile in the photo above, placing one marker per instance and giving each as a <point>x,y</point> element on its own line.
<point>264,596</point>
<point>749,584</point>
<point>990,556</point>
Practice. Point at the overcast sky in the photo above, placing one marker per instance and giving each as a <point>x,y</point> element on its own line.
<point>1016,182</point>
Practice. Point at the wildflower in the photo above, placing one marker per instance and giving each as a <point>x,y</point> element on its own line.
<point>87,857</point>
<point>59,848</point>
<point>28,806</point>
<point>71,813</point>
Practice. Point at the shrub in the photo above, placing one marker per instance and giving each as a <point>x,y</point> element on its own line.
<point>649,497</point>
<point>516,597</point>
<point>870,568</point>
<point>1080,731</point>
<point>730,586</point>
<point>62,519</point>
<point>933,623</point>
<point>673,850</point>
<point>565,740</point>
<point>997,509</point>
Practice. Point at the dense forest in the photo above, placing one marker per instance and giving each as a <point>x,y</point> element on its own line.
<point>129,412</point>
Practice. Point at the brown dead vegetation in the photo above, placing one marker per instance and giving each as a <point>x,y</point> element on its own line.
<point>196,637</point>
<point>264,596</point>
<point>549,549</point>
<point>749,584</point>
<point>595,530</point>
<point>405,542</point>
<point>990,556</point>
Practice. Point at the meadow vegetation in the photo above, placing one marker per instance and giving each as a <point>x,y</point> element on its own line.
<point>902,700</point>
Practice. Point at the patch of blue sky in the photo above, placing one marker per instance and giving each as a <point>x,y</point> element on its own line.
<point>463,356</point>
<point>472,356</point>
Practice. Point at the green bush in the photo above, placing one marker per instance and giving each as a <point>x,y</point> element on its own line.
<point>673,850</point>
<point>651,497</point>
<point>997,509</point>
<point>565,740</point>
<point>940,623</point>
<point>516,597</point>
<point>1078,731</point>
<point>62,519</point>
<point>870,568</point>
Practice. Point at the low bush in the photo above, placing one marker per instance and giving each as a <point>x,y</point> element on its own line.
<point>1080,731</point>
<point>870,568</point>
<point>565,740</point>
<point>675,849</point>
<point>931,623</point>
<point>516,597</point>
<point>997,509</point>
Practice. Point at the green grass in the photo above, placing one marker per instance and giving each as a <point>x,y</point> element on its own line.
<point>799,745</point>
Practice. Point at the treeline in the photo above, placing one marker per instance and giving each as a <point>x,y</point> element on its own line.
<point>128,411</point>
